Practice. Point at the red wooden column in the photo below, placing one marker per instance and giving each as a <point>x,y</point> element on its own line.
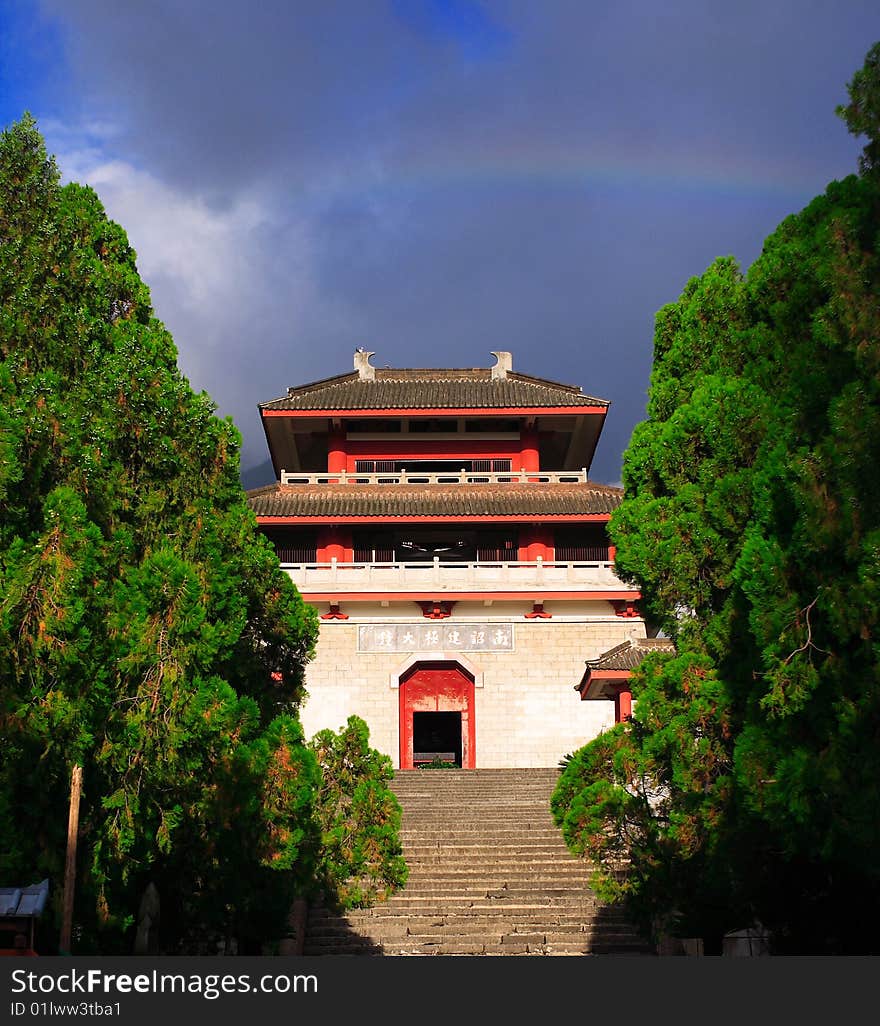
<point>336,449</point>
<point>623,704</point>
<point>529,453</point>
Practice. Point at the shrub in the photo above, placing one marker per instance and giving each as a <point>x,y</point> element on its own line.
<point>360,861</point>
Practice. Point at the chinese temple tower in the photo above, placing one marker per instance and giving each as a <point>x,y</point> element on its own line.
<point>444,524</point>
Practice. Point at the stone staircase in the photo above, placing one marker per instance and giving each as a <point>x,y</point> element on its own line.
<point>489,875</point>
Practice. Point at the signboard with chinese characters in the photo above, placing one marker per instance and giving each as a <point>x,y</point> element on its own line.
<point>417,637</point>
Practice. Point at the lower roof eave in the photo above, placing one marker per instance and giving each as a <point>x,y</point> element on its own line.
<point>595,409</point>
<point>510,518</point>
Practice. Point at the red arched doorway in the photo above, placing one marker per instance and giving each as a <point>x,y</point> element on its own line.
<point>437,713</point>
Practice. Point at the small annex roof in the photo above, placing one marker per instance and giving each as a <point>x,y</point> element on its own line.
<point>353,501</point>
<point>386,388</point>
<point>628,655</point>
<point>604,673</point>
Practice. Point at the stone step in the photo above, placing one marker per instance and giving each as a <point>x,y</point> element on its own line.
<point>466,865</point>
<point>462,855</point>
<point>451,830</point>
<point>492,864</point>
<point>467,803</point>
<point>583,941</point>
<point>492,817</point>
<point>482,925</point>
<point>562,919</point>
<point>470,882</point>
<point>458,896</point>
<point>492,868</point>
<point>540,934</point>
<point>480,847</point>
<point>500,925</point>
<point>445,902</point>
<point>489,875</point>
<point>511,945</point>
<point>439,901</point>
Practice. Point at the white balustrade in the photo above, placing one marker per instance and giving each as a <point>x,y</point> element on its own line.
<point>440,575</point>
<point>415,477</point>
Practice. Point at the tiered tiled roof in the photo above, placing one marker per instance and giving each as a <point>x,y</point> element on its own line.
<point>489,500</point>
<point>427,389</point>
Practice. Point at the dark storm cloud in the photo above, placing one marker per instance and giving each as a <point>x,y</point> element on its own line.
<point>440,178</point>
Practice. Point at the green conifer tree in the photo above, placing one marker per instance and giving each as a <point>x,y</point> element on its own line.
<point>746,786</point>
<point>146,630</point>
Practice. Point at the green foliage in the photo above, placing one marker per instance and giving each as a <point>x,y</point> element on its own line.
<point>146,630</point>
<point>360,859</point>
<point>862,113</point>
<point>746,786</point>
<point>437,763</point>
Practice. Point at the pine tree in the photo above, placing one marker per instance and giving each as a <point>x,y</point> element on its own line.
<point>146,630</point>
<point>746,786</point>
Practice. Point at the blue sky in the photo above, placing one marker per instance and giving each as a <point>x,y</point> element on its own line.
<point>435,179</point>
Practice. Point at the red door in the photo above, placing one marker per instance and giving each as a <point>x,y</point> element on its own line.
<point>436,687</point>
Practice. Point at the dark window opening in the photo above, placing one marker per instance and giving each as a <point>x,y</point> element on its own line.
<point>587,544</point>
<point>493,424</point>
<point>423,546</point>
<point>294,546</point>
<point>376,426</point>
<point>437,733</point>
<point>415,466</point>
<point>428,424</point>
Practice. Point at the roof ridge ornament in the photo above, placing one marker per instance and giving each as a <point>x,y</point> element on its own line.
<point>503,364</point>
<point>366,371</point>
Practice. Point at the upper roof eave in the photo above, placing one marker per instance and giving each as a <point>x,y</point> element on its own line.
<point>430,390</point>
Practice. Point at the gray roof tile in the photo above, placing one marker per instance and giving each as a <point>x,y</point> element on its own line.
<point>498,500</point>
<point>628,655</point>
<point>431,390</point>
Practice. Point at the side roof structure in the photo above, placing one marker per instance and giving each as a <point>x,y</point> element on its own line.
<point>604,674</point>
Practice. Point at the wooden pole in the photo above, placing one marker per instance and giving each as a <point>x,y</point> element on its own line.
<point>70,866</point>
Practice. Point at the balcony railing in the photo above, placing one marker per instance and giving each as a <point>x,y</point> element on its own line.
<point>415,477</point>
<point>440,576</point>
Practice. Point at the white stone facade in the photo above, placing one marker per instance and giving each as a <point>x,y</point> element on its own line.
<point>526,711</point>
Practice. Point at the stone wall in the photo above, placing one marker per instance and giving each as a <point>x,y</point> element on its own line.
<point>527,712</point>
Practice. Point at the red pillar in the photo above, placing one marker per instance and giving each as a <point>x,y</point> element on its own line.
<point>529,454</point>
<point>622,706</point>
<point>336,454</point>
